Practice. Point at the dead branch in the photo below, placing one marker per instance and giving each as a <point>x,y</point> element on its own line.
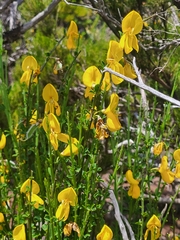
<point>144,86</point>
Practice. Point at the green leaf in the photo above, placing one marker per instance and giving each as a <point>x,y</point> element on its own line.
<point>31,131</point>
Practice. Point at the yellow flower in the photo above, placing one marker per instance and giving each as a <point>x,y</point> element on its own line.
<point>52,128</point>
<point>177,170</point>
<point>158,147</point>
<point>132,24</point>
<point>72,35</point>
<point>105,233</point>
<point>113,123</point>
<point>134,190</point>
<point>67,197</point>
<point>153,226</point>
<point>114,55</point>
<point>91,77</point>
<point>2,141</point>
<point>51,98</point>
<point>165,172</point>
<point>69,149</point>
<point>31,189</point>
<point>69,227</point>
<point>3,170</point>
<point>19,232</point>
<point>176,155</point>
<point>128,71</point>
<point>1,220</point>
<point>29,66</point>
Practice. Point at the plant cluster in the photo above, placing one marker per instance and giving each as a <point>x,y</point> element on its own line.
<point>53,158</point>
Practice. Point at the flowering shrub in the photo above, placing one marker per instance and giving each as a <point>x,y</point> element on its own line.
<point>53,157</point>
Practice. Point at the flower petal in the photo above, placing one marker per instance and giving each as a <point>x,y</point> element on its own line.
<point>91,76</point>
<point>62,212</point>
<point>130,179</point>
<point>29,63</point>
<point>68,194</point>
<point>19,232</point>
<point>176,155</point>
<point>105,233</point>
<point>49,93</point>
<point>3,141</point>
<point>30,183</point>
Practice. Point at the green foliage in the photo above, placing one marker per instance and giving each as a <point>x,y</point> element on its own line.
<point>100,165</point>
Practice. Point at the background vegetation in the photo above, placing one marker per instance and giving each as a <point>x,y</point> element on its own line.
<point>98,161</point>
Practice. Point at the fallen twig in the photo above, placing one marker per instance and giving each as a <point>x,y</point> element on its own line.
<point>118,215</point>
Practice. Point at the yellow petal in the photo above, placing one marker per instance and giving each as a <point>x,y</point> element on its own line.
<point>122,41</point>
<point>167,176</point>
<point>134,191</point>
<point>128,43</point>
<point>62,212</point>
<point>105,233</point>
<point>132,20</point>
<point>26,77</point>
<point>88,93</point>
<point>30,183</point>
<point>2,141</point>
<point>106,85</point>
<point>19,232</point>
<point>29,63</point>
<point>158,147</point>
<point>164,164</point>
<point>176,155</point>
<point>114,99</point>
<point>135,43</point>
<point>1,217</point>
<point>68,194</point>
<point>57,108</point>
<point>35,198</point>
<point>49,93</point>
<point>113,123</point>
<point>153,221</point>
<point>67,151</point>
<point>115,52</point>
<point>51,124</point>
<point>63,137</point>
<point>177,171</point>
<point>130,179</point>
<point>128,71</point>
<point>91,77</point>
<point>72,28</point>
<point>146,234</point>
<point>72,35</point>
<point>54,140</point>
<point>117,67</point>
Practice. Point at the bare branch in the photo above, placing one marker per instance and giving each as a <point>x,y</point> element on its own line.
<point>39,17</point>
<point>6,4</point>
<point>118,215</point>
<point>144,86</point>
<point>144,101</point>
<point>81,5</point>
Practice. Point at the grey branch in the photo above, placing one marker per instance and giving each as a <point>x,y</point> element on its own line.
<point>144,86</point>
<point>144,101</point>
<point>5,5</point>
<point>118,215</point>
<point>39,17</point>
